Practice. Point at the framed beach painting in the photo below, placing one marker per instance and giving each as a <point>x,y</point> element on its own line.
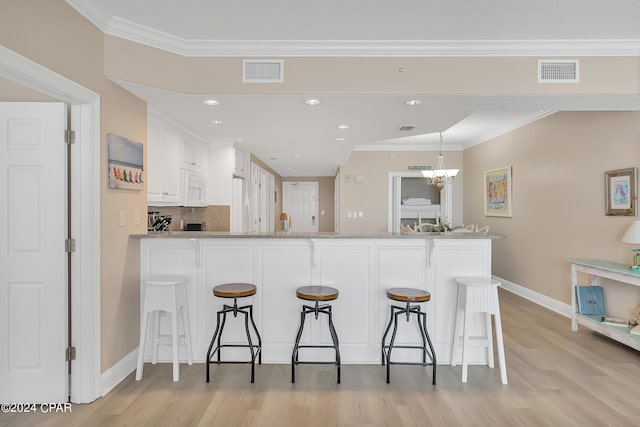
<point>125,163</point>
<point>620,192</point>
<point>497,192</point>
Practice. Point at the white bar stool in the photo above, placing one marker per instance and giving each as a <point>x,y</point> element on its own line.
<point>164,293</point>
<point>478,295</point>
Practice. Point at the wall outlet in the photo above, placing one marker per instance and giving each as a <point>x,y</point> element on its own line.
<point>123,218</point>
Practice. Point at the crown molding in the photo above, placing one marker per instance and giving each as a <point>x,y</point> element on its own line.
<point>28,73</point>
<point>128,30</point>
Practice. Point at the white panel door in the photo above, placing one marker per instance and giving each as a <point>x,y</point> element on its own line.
<point>300,201</point>
<point>33,289</point>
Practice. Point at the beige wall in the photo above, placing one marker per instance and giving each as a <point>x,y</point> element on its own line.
<point>326,203</point>
<point>558,198</point>
<point>54,35</point>
<point>133,62</point>
<point>372,196</point>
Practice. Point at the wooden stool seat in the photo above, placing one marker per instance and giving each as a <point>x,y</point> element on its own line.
<point>408,295</point>
<point>317,293</point>
<point>234,290</point>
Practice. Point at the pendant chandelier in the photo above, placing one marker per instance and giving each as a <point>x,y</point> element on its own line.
<point>440,175</point>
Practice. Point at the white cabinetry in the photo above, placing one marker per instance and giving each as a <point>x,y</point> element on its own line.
<point>163,181</point>
<point>240,163</point>
<point>193,155</point>
<point>361,269</point>
<point>177,165</point>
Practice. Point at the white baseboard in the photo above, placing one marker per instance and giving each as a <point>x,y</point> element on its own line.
<point>118,372</point>
<point>536,297</point>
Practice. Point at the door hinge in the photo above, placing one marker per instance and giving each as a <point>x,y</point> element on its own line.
<point>70,245</point>
<point>69,136</point>
<point>70,353</point>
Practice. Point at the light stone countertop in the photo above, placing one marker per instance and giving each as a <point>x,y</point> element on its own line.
<point>317,235</point>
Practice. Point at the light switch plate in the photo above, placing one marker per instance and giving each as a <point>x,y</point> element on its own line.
<point>123,219</point>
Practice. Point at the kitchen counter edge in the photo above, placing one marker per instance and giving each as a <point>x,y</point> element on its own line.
<point>318,235</point>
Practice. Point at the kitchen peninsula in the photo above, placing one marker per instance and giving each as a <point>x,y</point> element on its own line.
<point>360,266</point>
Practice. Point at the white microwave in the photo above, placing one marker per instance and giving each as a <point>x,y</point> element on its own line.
<point>194,189</point>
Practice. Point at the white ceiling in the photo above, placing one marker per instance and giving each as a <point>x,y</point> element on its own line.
<point>277,127</point>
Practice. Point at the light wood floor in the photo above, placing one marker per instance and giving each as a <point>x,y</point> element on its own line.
<point>556,378</point>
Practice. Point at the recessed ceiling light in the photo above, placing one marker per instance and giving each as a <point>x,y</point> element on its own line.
<point>341,139</point>
<point>342,127</point>
<point>413,102</point>
<point>238,139</point>
<point>288,169</point>
<point>211,102</point>
<point>297,155</point>
<point>216,122</point>
<point>312,102</point>
<point>305,173</point>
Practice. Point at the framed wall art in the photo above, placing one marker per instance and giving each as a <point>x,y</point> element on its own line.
<point>125,163</point>
<point>620,192</point>
<point>497,192</point>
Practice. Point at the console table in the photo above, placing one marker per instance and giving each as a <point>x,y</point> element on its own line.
<point>608,270</point>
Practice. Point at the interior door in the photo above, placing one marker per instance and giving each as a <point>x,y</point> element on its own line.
<point>265,200</point>
<point>33,279</point>
<point>300,201</point>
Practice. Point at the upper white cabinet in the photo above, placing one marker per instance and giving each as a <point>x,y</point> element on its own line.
<point>177,165</point>
<point>240,163</point>
<point>163,185</point>
<point>193,155</point>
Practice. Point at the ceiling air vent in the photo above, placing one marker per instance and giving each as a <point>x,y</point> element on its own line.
<point>558,71</point>
<point>406,128</point>
<point>262,71</point>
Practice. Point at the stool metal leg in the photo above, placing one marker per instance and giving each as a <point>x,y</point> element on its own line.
<point>213,340</point>
<point>334,337</point>
<point>384,337</point>
<point>425,334</point>
<point>294,355</point>
<point>257,334</point>
<point>253,356</point>
<point>393,338</point>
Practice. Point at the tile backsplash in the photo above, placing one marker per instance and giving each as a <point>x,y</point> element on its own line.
<point>214,217</point>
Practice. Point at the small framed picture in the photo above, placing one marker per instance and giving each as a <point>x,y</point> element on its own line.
<point>620,192</point>
<point>497,192</point>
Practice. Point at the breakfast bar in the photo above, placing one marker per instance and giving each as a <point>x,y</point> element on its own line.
<point>361,266</point>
